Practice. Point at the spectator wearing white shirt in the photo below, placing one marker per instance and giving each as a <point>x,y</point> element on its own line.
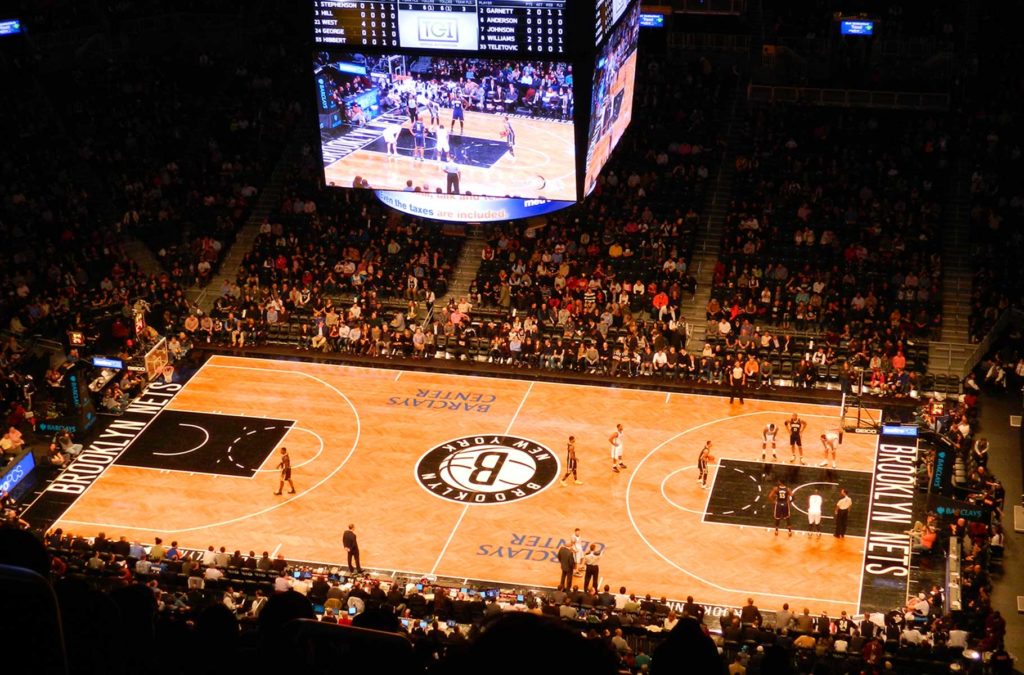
<point>282,583</point>
<point>209,557</point>
<point>621,598</point>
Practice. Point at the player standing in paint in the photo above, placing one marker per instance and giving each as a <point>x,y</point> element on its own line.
<point>703,460</point>
<point>616,439</point>
<point>783,499</point>
<point>768,436</point>
<point>570,463</point>
<point>814,513</point>
<point>441,144</point>
<point>796,428</point>
<point>829,441</point>
<point>286,472</point>
<point>419,139</point>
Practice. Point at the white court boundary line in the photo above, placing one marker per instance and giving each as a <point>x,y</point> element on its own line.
<point>206,438</point>
<point>230,521</point>
<point>343,367</point>
<point>671,563</point>
<point>485,378</point>
<point>100,477</point>
<point>465,508</point>
<point>302,464</point>
<point>673,504</point>
<point>668,499</point>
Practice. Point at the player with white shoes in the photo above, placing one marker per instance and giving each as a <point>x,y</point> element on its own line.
<point>829,441</point>
<point>768,435</point>
<point>616,439</point>
<point>814,512</point>
<point>796,429</point>
<point>442,146</point>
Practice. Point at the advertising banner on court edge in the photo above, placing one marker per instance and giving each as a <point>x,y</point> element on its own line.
<point>890,516</point>
<point>102,452</point>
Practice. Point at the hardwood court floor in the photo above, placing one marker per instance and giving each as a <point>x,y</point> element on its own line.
<point>358,434</point>
<point>544,165</point>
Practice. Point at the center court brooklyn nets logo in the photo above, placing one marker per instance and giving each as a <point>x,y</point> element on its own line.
<point>487,469</point>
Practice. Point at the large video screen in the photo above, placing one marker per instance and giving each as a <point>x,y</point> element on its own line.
<point>611,104</point>
<point>532,26</point>
<point>488,127</point>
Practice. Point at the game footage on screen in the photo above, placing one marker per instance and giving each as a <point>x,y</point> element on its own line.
<point>451,125</point>
<point>612,96</point>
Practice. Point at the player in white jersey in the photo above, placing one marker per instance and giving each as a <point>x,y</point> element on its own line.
<point>577,552</point>
<point>814,513</point>
<point>441,145</point>
<point>768,436</point>
<point>829,441</point>
<point>391,133</point>
<point>616,439</point>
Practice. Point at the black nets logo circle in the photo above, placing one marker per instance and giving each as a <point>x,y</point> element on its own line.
<point>487,469</point>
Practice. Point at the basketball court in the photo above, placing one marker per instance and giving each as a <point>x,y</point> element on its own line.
<point>458,477</point>
<point>543,166</point>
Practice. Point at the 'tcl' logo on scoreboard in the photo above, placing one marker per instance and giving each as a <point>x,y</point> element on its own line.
<point>438,30</point>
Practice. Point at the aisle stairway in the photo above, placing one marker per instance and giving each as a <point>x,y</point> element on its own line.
<point>268,203</point>
<point>709,239</point>
<point>947,356</point>
<point>467,265</point>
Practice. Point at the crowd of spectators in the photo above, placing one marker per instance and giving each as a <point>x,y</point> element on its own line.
<point>834,234</point>
<point>997,200</point>
<point>596,270</point>
<point>330,268</point>
<point>584,280</point>
<point>181,597</point>
<point>179,145</point>
<point>172,148</point>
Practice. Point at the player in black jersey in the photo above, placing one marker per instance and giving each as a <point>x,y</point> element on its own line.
<point>570,462</point>
<point>782,496</point>
<point>419,139</point>
<point>768,436</point>
<point>703,460</point>
<point>286,472</point>
<point>796,428</point>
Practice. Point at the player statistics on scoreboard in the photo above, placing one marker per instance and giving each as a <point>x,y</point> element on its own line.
<point>531,26</point>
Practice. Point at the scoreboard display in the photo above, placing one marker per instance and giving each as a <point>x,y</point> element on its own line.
<point>606,14</point>
<point>491,99</point>
<point>489,26</point>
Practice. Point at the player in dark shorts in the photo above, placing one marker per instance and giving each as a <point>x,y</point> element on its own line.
<point>570,462</point>
<point>286,472</point>
<point>458,114</point>
<point>796,427</point>
<point>703,459</point>
<point>510,137</point>
<point>783,498</point>
<point>768,436</point>
<point>419,139</point>
<point>411,107</point>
